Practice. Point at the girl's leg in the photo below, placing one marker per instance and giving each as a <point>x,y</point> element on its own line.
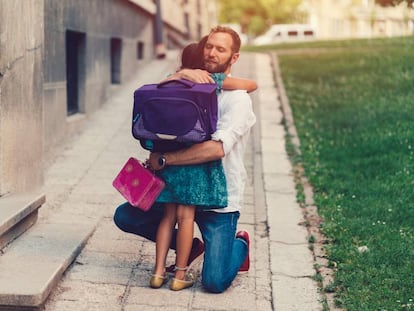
<point>130,219</point>
<point>185,221</point>
<point>164,235</point>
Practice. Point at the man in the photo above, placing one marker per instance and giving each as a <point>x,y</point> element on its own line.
<point>226,253</point>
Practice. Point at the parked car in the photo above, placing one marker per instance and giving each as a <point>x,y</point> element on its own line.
<point>286,33</point>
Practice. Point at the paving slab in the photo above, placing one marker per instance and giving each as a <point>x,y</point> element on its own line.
<point>31,267</point>
<point>295,294</point>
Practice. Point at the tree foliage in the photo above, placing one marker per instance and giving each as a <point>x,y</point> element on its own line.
<point>410,3</point>
<point>256,16</point>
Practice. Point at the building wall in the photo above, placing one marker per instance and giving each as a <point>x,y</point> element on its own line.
<point>207,18</point>
<point>21,78</point>
<point>193,18</point>
<point>358,19</point>
<point>201,17</point>
<point>96,22</point>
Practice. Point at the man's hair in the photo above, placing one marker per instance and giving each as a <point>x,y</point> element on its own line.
<point>234,35</point>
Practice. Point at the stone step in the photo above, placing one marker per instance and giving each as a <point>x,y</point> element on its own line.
<point>31,266</point>
<point>18,212</point>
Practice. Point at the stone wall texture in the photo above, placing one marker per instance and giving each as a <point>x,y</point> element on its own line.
<point>21,96</point>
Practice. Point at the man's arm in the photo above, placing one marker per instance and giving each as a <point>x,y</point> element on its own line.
<point>198,153</point>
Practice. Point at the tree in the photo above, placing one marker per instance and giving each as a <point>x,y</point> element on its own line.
<point>256,16</point>
<point>283,11</point>
<point>410,3</point>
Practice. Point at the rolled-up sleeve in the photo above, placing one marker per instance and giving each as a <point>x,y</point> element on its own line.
<point>235,118</point>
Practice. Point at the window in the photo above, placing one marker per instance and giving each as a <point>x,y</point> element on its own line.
<point>75,44</point>
<point>116,52</point>
<point>140,50</point>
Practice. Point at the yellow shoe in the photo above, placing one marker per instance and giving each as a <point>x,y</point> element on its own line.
<point>158,280</point>
<point>177,284</point>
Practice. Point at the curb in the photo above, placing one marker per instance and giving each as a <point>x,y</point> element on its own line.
<point>310,211</point>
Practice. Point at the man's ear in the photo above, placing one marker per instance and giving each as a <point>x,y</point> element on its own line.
<point>234,58</point>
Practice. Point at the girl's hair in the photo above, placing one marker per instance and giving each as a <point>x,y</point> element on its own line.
<point>192,55</point>
<point>189,57</point>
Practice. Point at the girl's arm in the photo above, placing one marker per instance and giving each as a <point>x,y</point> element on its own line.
<point>202,76</point>
<point>195,75</point>
<point>232,83</point>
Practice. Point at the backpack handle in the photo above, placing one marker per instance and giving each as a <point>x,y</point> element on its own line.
<point>186,83</point>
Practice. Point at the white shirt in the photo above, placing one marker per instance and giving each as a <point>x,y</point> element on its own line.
<point>235,119</point>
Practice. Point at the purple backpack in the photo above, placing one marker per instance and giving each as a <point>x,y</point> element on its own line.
<point>173,114</point>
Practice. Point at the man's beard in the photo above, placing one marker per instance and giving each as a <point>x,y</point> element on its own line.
<point>215,68</point>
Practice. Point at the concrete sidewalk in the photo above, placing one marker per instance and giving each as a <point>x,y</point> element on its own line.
<point>113,270</point>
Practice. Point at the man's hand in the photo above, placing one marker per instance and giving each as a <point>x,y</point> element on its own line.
<point>194,75</point>
<point>152,162</point>
<point>207,151</point>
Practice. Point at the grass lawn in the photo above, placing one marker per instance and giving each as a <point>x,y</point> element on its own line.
<point>353,106</point>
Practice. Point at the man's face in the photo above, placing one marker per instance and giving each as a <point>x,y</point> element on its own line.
<point>218,56</point>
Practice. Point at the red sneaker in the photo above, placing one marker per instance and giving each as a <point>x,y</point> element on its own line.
<point>196,255</point>
<point>244,235</point>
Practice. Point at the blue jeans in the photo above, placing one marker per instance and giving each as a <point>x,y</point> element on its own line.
<point>223,253</point>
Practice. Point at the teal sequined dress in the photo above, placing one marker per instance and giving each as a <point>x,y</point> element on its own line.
<point>203,185</point>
